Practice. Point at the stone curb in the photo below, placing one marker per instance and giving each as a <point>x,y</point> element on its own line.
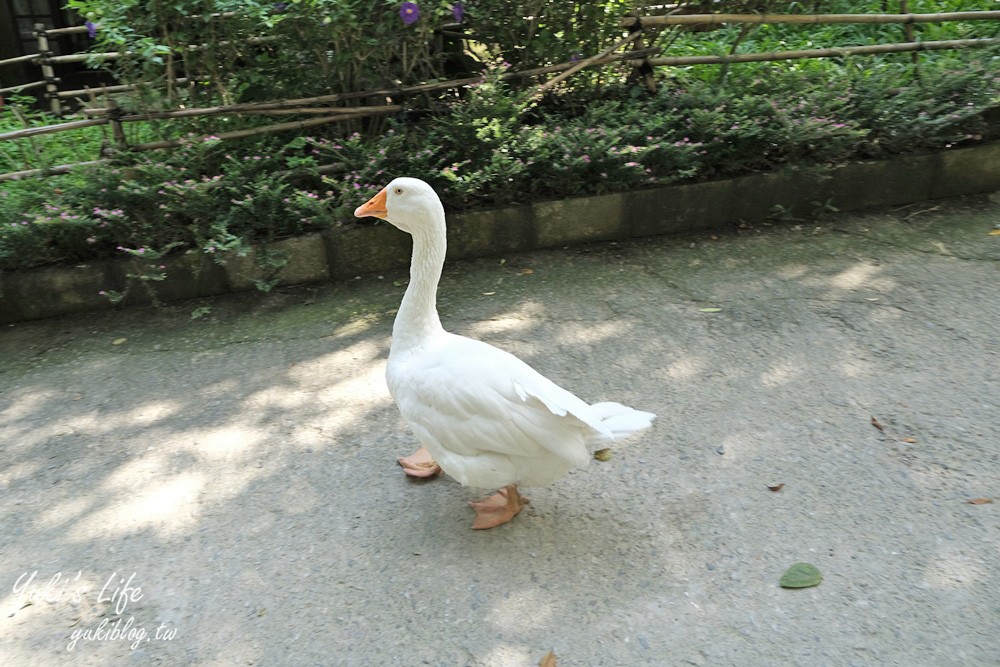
<point>361,249</point>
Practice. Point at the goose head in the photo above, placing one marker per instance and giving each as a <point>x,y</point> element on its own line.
<point>409,204</point>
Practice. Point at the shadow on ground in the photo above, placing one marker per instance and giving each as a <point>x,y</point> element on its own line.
<point>223,491</point>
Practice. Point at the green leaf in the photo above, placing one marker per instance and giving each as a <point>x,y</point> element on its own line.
<point>710,310</point>
<point>801,575</point>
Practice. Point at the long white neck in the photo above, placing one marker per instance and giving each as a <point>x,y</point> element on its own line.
<point>417,319</point>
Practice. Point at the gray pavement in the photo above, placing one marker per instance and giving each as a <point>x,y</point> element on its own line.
<point>222,490</point>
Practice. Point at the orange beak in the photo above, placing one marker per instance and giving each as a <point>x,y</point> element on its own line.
<point>374,207</point>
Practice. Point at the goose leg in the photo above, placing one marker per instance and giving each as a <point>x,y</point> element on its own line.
<point>499,508</point>
<point>419,464</point>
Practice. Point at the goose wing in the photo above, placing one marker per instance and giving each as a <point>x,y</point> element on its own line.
<point>470,397</point>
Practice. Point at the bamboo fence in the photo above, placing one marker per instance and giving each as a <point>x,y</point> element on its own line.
<point>717,19</point>
<point>639,57</point>
<point>832,52</point>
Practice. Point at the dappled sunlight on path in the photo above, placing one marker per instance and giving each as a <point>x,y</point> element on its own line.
<point>239,469</point>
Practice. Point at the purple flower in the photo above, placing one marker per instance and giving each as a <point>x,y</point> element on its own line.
<point>458,11</point>
<point>409,12</point>
<point>91,29</point>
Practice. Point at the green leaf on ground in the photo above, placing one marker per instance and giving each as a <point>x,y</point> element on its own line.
<point>801,575</point>
<point>603,454</point>
<point>710,310</point>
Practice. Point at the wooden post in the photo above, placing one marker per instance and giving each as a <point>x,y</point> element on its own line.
<point>644,71</point>
<point>114,117</point>
<point>49,74</point>
<point>904,8</point>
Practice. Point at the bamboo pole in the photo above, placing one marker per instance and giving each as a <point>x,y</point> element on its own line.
<point>114,117</point>
<point>835,52</point>
<point>713,19</point>
<point>645,71</point>
<point>904,8</point>
<point>355,112</point>
<point>19,59</point>
<point>319,110</point>
<point>239,134</point>
<point>909,32</point>
<point>587,62</point>
<point>124,88</point>
<point>47,72</point>
<point>66,168</point>
<point>115,55</point>
<point>23,86</point>
<point>51,32</point>
<point>84,57</point>
<point>52,129</point>
<point>381,92</point>
<point>49,171</point>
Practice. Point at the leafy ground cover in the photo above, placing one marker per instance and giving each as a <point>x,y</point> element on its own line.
<point>492,146</point>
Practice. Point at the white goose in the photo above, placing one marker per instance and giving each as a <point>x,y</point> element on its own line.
<point>486,417</point>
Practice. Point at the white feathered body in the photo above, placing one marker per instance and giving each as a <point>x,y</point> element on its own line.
<point>490,420</point>
<point>485,416</point>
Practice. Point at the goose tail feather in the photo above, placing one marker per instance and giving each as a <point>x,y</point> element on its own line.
<point>621,420</point>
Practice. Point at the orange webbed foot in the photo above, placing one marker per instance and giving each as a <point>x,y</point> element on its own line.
<point>498,509</point>
<point>420,464</point>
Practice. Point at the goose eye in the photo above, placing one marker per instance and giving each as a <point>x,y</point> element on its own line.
<point>398,191</point>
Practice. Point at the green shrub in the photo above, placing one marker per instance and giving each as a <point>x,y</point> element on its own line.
<point>489,146</point>
<point>205,195</point>
<point>939,108</point>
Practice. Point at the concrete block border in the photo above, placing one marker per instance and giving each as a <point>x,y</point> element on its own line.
<point>360,249</point>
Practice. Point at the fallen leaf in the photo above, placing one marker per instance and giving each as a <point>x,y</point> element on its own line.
<point>801,575</point>
<point>118,341</point>
<point>603,454</point>
<point>549,660</point>
<point>488,293</point>
<point>909,440</point>
<point>995,232</point>
<point>980,501</point>
<point>877,425</point>
<point>710,310</point>
<point>776,487</point>
<point>525,272</point>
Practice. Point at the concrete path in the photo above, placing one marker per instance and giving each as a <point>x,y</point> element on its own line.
<point>221,490</point>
